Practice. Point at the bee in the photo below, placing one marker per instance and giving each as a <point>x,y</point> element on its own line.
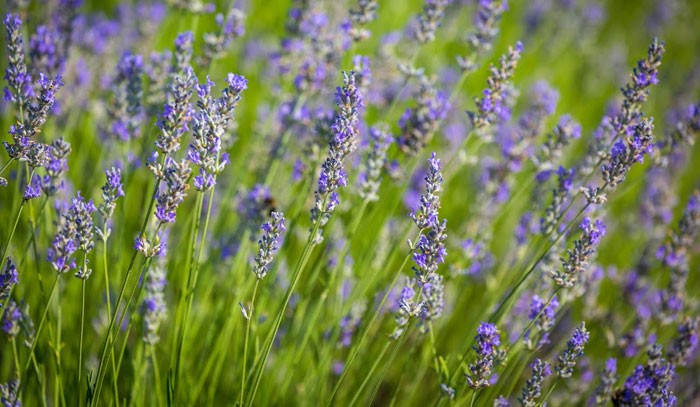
<point>268,205</point>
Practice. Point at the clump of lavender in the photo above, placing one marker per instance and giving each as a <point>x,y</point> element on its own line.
<point>418,125</point>
<point>674,255</point>
<point>154,308</point>
<point>481,39</point>
<point>8,279</point>
<point>490,107</point>
<point>209,128</point>
<point>56,166</point>
<point>637,142</point>
<point>650,384</point>
<point>8,394</point>
<point>112,190</point>
<point>573,352</point>
<point>544,316</point>
<point>685,343</point>
<point>430,20</point>
<point>553,213</point>
<point>174,175</point>
<point>19,89</point>
<point>231,27</point>
<point>365,13</point>
<point>488,356</point>
<point>579,256</point>
<point>427,215</point>
<point>533,386</point>
<point>373,163</point>
<point>605,389</point>
<point>127,86</point>
<point>268,243</point>
<point>10,319</point>
<point>75,232</point>
<point>343,142</point>
<point>564,132</point>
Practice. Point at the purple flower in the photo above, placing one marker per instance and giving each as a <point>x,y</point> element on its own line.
<point>648,385</point>
<point>427,215</point>
<point>8,279</point>
<point>430,20</point>
<point>268,243</point>
<point>419,124</point>
<point>33,189</point>
<point>488,339</point>
<point>580,255</point>
<point>573,352</point>
<point>154,308</point>
<point>533,386</point>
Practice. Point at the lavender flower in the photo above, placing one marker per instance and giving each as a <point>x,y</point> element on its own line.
<point>127,86</point>
<point>268,243</point>
<point>430,252</point>
<point>488,356</point>
<point>10,319</point>
<point>174,175</point>
<point>432,300</point>
<point>533,386</point>
<point>177,112</point>
<point>542,103</point>
<point>56,166</point>
<point>637,142</point>
<point>343,142</point>
<point>183,53</point>
<point>154,307</point>
<point>419,124</point>
<point>430,20</point>
<point>8,394</point>
<point>573,352</point>
<point>674,255</point>
<point>481,39</point>
<point>648,385</point>
<point>365,13</point>
<point>479,258</point>
<point>490,106</point>
<point>19,82</point>
<point>564,132</point>
<point>75,231</point>
<point>685,343</point>
<point>427,214</point>
<point>544,316</point>
<point>33,189</point>
<point>580,255</point>
<point>373,164</point>
<point>554,211</point>
<point>44,51</point>
<point>230,28</point>
<point>407,307</point>
<point>209,127</point>
<point>608,377</point>
<point>8,279</point>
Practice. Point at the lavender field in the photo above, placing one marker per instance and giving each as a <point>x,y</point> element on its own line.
<point>350,203</point>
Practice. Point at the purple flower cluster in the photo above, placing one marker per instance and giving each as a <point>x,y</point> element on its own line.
<point>8,394</point>
<point>365,13</point>
<point>8,279</point>
<point>127,87</point>
<point>564,132</point>
<point>19,89</point>
<point>430,252</point>
<point>374,162</point>
<point>174,175</point>
<point>75,232</point>
<point>11,317</point>
<point>268,243</point>
<point>210,125</point>
<point>491,107</point>
<point>674,255</point>
<point>56,166</point>
<point>154,308</point>
<point>554,211</point>
<point>648,385</point>
<point>544,316</point>
<point>343,142</point>
<point>580,255</point>
<point>427,215</point>
<point>686,343</point>
<point>481,39</point>
<point>230,27</point>
<point>605,389</point>
<point>533,386</point>
<point>418,125</point>
<point>488,356</point>
<point>430,20</point>
<point>573,352</point>
<point>637,142</point>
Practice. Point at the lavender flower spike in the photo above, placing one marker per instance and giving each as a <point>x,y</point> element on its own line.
<point>486,29</point>
<point>579,256</point>
<point>533,386</point>
<point>430,20</point>
<point>19,82</point>
<point>648,385</point>
<point>154,308</point>
<point>8,394</point>
<point>269,243</point>
<point>685,343</point>
<point>607,380</point>
<point>343,142</point>
<point>8,279</point>
<point>488,339</point>
<point>427,215</point>
<point>374,162</point>
<point>365,13</point>
<point>573,352</point>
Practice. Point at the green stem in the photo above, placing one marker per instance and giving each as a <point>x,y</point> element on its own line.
<point>82,330</point>
<point>371,371</point>
<point>251,312</point>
